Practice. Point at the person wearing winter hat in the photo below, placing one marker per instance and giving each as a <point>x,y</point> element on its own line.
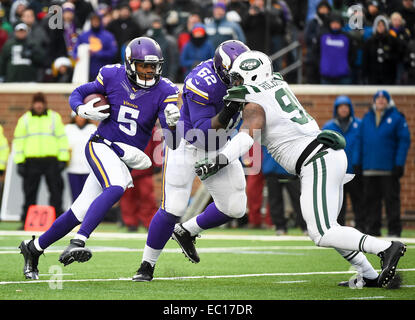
<point>382,148</point>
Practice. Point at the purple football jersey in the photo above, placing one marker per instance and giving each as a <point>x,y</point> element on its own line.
<point>203,93</point>
<point>134,111</point>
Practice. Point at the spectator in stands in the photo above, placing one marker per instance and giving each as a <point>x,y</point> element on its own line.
<point>219,29</point>
<point>260,25</point>
<point>78,132</point>
<point>198,49</point>
<point>144,16</point>
<point>168,45</point>
<point>184,33</point>
<point>409,62</point>
<point>103,46</point>
<point>312,31</point>
<point>407,11</point>
<point>41,149</point>
<point>138,204</point>
<point>4,34</point>
<point>373,10</point>
<point>336,52</point>
<point>62,70</point>
<point>20,58</point>
<point>399,31</point>
<point>381,54</point>
<point>382,148</point>
<point>16,11</point>
<point>345,122</point>
<point>124,28</point>
<point>83,10</point>
<point>359,36</point>
<point>277,179</point>
<point>4,22</point>
<point>63,41</point>
<point>37,36</point>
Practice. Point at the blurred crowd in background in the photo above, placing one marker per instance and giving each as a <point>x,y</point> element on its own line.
<point>341,42</point>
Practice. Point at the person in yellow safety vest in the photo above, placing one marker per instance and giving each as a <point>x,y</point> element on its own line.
<point>4,151</point>
<point>41,149</point>
<point>4,154</point>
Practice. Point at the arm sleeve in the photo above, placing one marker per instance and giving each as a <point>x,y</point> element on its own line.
<point>404,141</point>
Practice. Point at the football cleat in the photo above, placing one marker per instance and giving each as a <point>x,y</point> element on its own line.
<point>144,273</point>
<point>360,282</point>
<point>389,260</point>
<point>31,259</point>
<point>76,251</point>
<point>186,242</point>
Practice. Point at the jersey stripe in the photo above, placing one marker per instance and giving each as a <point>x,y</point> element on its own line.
<point>315,203</point>
<point>99,166</point>
<point>191,87</point>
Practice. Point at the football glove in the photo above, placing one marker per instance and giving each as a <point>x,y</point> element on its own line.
<point>206,168</point>
<point>172,114</point>
<point>88,111</point>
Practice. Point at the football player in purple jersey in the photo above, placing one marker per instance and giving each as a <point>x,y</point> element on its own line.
<point>204,128</point>
<point>137,95</point>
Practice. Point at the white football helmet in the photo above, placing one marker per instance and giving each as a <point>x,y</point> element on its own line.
<point>250,68</point>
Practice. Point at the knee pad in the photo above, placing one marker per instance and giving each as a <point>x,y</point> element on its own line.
<point>235,206</point>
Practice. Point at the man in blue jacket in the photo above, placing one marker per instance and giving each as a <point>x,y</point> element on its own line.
<point>345,122</point>
<point>382,148</point>
<point>103,46</point>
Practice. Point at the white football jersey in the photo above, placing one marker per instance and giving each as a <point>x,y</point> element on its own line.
<point>289,128</point>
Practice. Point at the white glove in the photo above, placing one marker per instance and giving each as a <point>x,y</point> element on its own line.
<point>172,114</point>
<point>134,157</point>
<point>88,111</point>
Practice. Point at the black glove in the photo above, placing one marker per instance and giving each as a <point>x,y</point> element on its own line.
<point>228,111</point>
<point>21,169</point>
<point>206,168</point>
<point>61,165</point>
<point>398,171</point>
<point>357,169</point>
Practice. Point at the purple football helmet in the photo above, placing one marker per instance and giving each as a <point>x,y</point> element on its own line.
<point>144,50</point>
<point>225,55</point>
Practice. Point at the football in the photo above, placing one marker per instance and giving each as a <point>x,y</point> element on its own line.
<point>101,102</point>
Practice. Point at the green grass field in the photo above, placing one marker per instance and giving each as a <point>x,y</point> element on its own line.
<point>236,264</point>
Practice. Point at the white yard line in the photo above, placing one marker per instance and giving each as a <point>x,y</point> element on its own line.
<point>143,236</point>
<point>194,277</point>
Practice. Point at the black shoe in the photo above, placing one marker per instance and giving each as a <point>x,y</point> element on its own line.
<point>186,242</point>
<point>144,273</point>
<point>360,282</point>
<point>389,260</point>
<point>31,259</point>
<point>76,251</point>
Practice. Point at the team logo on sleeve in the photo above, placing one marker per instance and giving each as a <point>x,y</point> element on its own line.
<point>249,64</point>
